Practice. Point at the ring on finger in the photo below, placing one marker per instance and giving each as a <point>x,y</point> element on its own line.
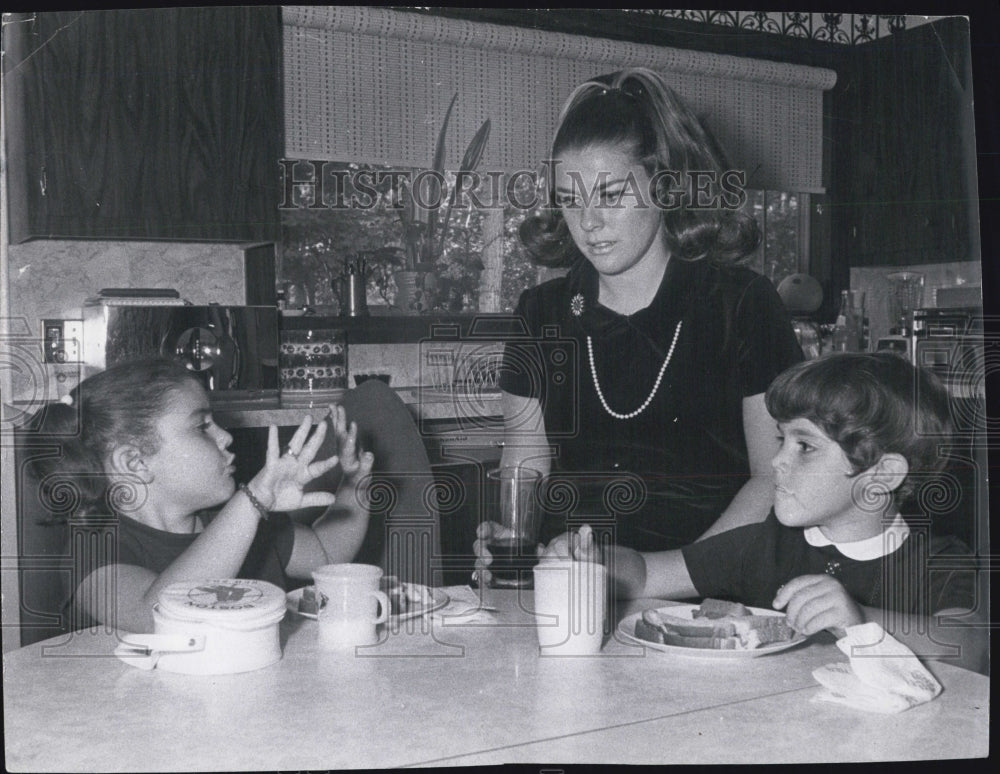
<point>290,453</point>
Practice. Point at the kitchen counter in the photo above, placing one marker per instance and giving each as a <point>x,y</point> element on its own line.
<point>478,410</point>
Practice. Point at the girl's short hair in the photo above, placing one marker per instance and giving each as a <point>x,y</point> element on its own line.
<point>870,404</point>
<point>120,405</point>
<point>636,111</point>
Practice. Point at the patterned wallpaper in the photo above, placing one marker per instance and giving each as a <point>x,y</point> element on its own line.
<point>848,28</point>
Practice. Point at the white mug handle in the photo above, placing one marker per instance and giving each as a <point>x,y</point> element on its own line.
<point>383,600</point>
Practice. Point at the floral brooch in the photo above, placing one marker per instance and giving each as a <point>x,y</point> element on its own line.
<point>576,304</point>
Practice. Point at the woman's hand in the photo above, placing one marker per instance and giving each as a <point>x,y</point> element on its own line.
<point>815,602</point>
<point>577,545</point>
<point>486,531</point>
<point>279,485</point>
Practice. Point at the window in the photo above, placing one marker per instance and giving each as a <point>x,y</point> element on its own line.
<point>784,248</point>
<point>319,242</point>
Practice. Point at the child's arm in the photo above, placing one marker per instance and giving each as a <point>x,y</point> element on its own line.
<point>336,536</point>
<point>634,574</point>
<point>221,548</point>
<point>815,602</point>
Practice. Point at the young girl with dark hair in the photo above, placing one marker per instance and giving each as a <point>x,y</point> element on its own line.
<point>654,413</point>
<point>858,431</point>
<point>142,459</point>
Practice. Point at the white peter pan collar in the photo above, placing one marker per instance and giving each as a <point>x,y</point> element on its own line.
<point>884,543</point>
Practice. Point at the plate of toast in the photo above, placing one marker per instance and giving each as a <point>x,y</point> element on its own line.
<point>715,629</point>
<point>407,600</point>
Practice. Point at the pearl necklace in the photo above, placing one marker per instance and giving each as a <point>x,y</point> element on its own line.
<point>656,386</point>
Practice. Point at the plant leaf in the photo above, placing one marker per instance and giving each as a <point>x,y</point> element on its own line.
<point>433,188</point>
<point>470,161</point>
<point>438,163</point>
<point>475,150</point>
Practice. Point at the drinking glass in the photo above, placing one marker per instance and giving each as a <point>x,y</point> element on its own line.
<point>513,503</point>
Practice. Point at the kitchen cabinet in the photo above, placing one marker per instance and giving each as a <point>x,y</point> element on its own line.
<point>903,188</point>
<point>145,124</point>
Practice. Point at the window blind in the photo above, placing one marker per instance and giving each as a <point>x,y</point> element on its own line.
<point>370,84</point>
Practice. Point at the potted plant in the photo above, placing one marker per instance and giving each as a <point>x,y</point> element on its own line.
<point>425,230</point>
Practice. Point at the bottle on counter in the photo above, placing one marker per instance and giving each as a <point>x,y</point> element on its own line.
<point>847,331</point>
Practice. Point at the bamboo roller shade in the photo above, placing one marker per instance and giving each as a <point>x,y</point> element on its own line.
<point>370,84</point>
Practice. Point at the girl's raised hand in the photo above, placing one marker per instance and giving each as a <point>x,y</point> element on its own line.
<point>279,484</point>
<point>355,464</point>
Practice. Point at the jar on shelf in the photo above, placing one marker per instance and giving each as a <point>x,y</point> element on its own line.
<point>313,366</point>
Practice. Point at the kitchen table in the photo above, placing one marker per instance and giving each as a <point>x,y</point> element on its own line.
<point>447,693</point>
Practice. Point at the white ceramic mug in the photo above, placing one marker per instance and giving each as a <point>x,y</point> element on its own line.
<point>570,607</point>
<point>351,614</point>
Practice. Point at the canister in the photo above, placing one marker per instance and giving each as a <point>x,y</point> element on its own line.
<point>238,619</point>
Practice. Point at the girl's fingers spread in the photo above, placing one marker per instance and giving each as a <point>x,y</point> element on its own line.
<point>299,438</point>
<point>319,467</point>
<point>314,442</point>
<point>273,453</point>
<point>348,446</point>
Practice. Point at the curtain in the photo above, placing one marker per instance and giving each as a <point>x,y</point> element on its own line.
<point>370,84</point>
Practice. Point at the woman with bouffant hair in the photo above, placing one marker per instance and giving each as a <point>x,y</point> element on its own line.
<point>652,410</point>
<point>636,109</point>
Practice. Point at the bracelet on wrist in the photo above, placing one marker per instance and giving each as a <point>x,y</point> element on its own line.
<point>261,510</point>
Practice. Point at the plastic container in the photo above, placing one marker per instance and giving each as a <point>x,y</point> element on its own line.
<point>211,627</point>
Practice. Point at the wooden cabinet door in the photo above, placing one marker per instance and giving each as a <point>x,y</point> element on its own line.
<point>904,163</point>
<point>151,124</point>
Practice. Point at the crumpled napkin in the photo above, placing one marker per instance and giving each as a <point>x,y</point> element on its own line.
<point>883,674</point>
<point>463,607</point>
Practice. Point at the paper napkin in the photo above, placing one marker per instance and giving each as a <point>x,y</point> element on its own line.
<point>464,607</point>
<point>883,675</point>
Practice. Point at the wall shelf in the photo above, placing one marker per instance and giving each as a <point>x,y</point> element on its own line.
<point>404,329</point>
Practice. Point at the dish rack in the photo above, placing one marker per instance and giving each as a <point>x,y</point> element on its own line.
<point>474,372</point>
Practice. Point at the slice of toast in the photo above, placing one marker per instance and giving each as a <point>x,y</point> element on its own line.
<point>666,635</point>
<point>720,608</point>
<point>729,633</point>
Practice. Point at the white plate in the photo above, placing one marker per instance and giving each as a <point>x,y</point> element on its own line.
<point>627,630</point>
<point>437,597</point>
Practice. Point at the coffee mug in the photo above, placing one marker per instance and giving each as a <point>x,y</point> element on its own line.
<point>570,607</point>
<point>351,614</point>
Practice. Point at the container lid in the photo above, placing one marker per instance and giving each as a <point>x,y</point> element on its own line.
<point>234,603</point>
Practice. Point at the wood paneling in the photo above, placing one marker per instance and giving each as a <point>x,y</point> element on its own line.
<point>904,152</point>
<point>161,123</point>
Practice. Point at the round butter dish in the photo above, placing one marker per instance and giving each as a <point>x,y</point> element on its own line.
<point>238,619</point>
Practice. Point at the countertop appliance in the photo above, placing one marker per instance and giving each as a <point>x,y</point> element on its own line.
<point>233,349</point>
<point>948,342</point>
